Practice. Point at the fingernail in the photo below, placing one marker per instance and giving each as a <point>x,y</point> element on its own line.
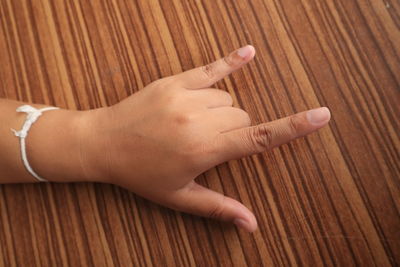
<point>318,115</point>
<point>241,223</point>
<point>245,51</point>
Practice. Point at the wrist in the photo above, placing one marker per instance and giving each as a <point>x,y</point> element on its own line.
<point>61,146</point>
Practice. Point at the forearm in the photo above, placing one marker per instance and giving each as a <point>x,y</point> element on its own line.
<point>56,145</point>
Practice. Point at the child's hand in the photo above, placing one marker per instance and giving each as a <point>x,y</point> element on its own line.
<point>157,141</point>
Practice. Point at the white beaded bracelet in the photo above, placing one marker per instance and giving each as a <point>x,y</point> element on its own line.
<point>32,115</point>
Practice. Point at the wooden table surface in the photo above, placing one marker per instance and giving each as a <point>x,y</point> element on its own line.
<point>332,198</point>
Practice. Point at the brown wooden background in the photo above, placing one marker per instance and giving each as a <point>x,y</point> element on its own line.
<point>332,198</point>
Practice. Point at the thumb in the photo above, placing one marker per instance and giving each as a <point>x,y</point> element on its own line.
<point>198,200</point>
<point>205,76</point>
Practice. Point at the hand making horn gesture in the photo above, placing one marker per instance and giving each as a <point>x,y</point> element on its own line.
<point>157,141</point>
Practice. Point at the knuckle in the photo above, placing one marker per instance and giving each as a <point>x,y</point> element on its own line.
<point>245,117</point>
<point>171,101</point>
<point>184,118</point>
<point>163,83</point>
<point>229,61</point>
<point>294,125</point>
<point>246,121</point>
<point>228,98</point>
<point>262,137</point>
<point>217,210</point>
<point>172,97</point>
<point>208,70</point>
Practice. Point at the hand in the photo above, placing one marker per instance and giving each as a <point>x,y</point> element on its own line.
<point>158,140</point>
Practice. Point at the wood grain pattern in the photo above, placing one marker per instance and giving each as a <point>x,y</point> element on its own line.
<point>332,198</point>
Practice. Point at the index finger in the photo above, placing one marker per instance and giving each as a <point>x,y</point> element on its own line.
<point>205,76</point>
<point>256,139</point>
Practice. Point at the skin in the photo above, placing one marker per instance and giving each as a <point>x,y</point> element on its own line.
<point>155,142</point>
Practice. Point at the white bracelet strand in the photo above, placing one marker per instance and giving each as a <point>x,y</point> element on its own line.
<point>32,115</point>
